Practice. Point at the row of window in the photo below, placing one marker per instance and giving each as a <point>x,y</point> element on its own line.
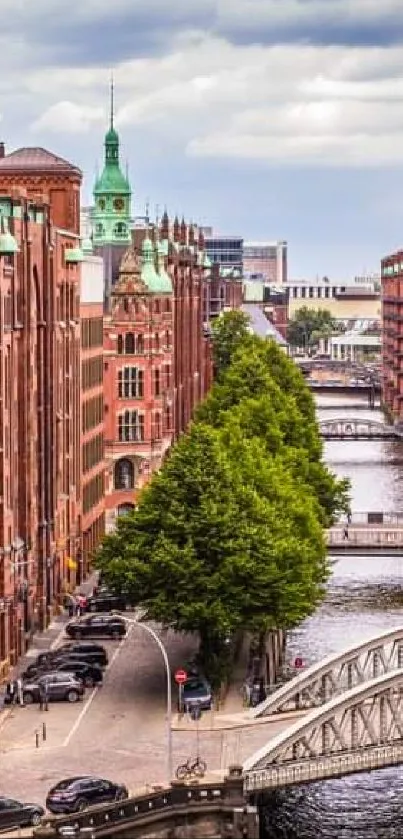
<point>131,427</point>
<point>92,372</point>
<point>92,413</point>
<point>93,452</point>
<point>93,492</point>
<point>131,382</point>
<point>91,333</point>
<point>322,292</point>
<point>387,270</point>
<point>133,344</point>
<point>157,306</point>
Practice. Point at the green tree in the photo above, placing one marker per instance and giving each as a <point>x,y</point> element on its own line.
<point>307,325</point>
<point>228,333</point>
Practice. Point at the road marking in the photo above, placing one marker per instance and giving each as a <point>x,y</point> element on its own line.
<point>93,694</point>
<point>58,639</point>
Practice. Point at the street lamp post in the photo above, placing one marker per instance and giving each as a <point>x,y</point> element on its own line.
<point>164,654</point>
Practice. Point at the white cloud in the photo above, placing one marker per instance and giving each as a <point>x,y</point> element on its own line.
<point>286,103</point>
<point>68,117</point>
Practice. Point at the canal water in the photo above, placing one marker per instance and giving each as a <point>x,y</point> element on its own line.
<point>365,596</point>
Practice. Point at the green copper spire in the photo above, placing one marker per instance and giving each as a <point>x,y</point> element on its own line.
<point>112,193</point>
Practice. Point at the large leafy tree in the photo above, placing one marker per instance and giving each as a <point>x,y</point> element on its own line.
<point>229,534</point>
<point>229,331</point>
<point>307,325</point>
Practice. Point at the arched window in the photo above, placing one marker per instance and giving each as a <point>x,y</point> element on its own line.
<point>129,344</point>
<point>157,307</point>
<point>99,229</point>
<point>120,229</point>
<point>120,344</point>
<point>167,418</point>
<point>130,383</point>
<point>131,427</point>
<point>125,509</point>
<point>124,474</point>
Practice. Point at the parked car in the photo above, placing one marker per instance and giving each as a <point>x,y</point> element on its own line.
<point>89,674</point>
<point>14,814</point>
<point>83,650</point>
<point>111,625</point>
<point>197,691</point>
<point>60,686</point>
<point>75,794</point>
<point>106,601</point>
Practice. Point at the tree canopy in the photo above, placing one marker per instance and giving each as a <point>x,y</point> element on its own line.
<point>228,535</point>
<point>229,331</point>
<point>308,325</point>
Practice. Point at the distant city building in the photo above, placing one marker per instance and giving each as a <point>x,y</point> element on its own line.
<point>226,251</point>
<point>271,299</point>
<point>344,300</point>
<point>392,336</point>
<point>265,259</point>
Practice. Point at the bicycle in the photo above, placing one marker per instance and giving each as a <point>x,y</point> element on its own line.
<point>191,769</point>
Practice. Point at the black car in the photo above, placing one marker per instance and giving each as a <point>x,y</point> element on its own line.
<point>60,686</point>
<point>89,674</point>
<point>106,601</point>
<point>14,814</point>
<point>110,625</point>
<point>82,650</point>
<point>75,794</point>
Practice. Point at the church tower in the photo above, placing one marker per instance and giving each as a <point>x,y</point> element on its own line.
<point>112,194</point>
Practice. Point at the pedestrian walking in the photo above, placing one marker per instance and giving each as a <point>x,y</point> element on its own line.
<point>9,699</point>
<point>246,693</point>
<point>345,533</point>
<point>43,696</point>
<point>349,517</point>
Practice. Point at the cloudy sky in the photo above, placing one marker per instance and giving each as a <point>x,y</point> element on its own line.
<point>266,118</point>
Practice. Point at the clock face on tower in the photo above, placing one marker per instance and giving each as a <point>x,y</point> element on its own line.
<point>119,204</point>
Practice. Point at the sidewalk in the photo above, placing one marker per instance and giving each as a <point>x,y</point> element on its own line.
<point>43,641</point>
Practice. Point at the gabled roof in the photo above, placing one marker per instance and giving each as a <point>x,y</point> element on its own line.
<point>36,159</point>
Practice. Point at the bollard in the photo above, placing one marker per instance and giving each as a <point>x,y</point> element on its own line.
<point>44,731</point>
<point>37,739</point>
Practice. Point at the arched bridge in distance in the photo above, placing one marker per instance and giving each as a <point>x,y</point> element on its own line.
<point>358,429</point>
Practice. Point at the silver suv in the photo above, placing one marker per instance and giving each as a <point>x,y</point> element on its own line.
<point>60,686</point>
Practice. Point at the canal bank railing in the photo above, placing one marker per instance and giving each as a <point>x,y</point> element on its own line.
<point>346,538</point>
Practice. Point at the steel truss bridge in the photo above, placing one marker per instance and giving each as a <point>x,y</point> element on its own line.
<point>357,429</point>
<point>355,721</point>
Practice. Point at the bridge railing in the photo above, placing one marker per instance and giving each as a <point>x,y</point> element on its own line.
<point>373,518</point>
<point>122,814</point>
<point>365,536</point>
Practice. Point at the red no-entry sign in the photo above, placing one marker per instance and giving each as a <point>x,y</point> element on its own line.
<point>181,677</point>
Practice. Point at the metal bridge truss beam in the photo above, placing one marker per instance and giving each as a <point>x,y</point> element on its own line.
<point>361,729</point>
<point>335,674</point>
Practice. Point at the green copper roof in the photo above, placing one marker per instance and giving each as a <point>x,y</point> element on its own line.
<point>164,278</point>
<point>73,255</point>
<point>112,194</point>
<point>156,283</point>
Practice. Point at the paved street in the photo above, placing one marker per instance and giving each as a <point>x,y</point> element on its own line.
<point>119,731</point>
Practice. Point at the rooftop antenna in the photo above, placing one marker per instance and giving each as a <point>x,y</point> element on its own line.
<point>147,211</point>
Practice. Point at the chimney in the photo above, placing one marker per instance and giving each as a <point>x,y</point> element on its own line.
<point>2,150</point>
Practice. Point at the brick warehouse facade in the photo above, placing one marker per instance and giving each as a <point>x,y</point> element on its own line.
<point>392,334</point>
<point>40,433</point>
<point>157,355</point>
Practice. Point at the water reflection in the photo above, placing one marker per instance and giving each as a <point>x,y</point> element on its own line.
<point>365,596</point>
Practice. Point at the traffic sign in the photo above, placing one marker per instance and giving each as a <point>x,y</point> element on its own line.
<point>298,663</point>
<point>181,677</point>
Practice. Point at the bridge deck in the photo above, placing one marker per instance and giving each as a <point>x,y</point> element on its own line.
<point>381,539</point>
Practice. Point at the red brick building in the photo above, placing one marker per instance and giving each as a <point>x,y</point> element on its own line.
<point>392,333</point>
<point>92,524</point>
<point>40,430</point>
<point>157,356</point>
